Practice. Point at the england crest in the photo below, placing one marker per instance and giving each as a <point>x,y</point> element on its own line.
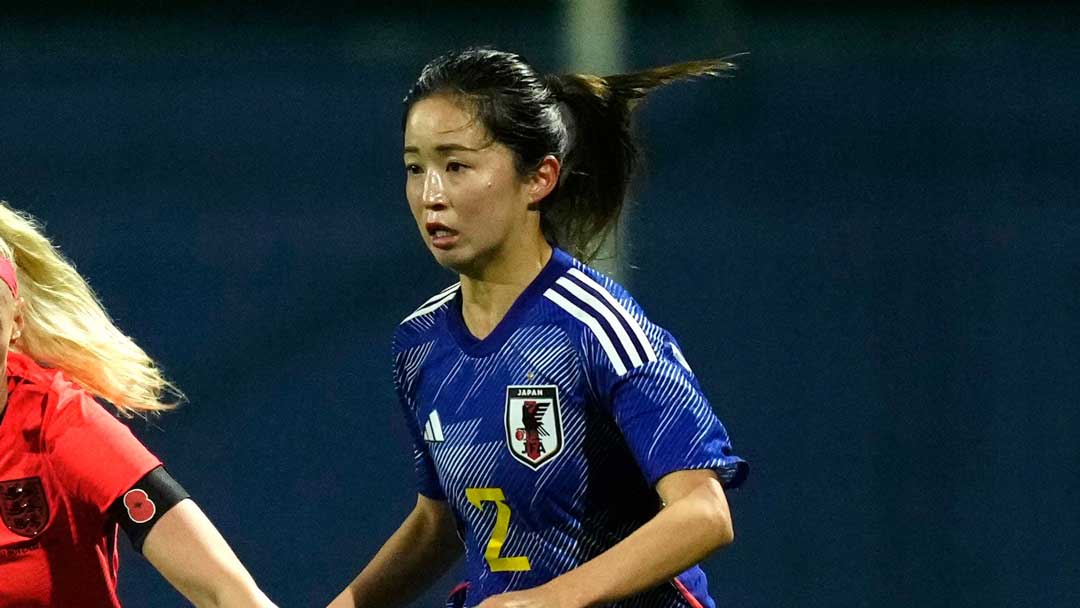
<point>23,507</point>
<point>534,430</point>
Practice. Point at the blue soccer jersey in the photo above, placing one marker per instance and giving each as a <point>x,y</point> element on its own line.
<point>547,437</point>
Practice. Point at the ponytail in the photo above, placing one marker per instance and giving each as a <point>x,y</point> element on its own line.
<point>602,155</point>
<point>581,119</point>
<point>65,325</point>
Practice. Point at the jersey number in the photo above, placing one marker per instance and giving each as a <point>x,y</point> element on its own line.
<point>497,563</point>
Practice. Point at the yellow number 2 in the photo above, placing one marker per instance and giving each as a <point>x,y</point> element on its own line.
<point>497,563</point>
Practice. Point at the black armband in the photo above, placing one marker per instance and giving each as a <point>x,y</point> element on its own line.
<point>143,505</point>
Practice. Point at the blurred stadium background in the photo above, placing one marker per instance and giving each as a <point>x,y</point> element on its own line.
<point>866,243</point>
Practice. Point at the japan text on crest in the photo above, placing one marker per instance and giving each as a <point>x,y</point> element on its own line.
<point>23,507</point>
<point>534,430</point>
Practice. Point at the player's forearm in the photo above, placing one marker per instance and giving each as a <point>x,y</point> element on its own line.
<point>221,582</point>
<point>421,550</point>
<point>681,535</point>
<point>190,553</point>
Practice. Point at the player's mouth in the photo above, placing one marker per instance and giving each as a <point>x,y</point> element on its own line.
<point>442,237</point>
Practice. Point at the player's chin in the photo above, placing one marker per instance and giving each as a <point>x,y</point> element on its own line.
<point>455,258</point>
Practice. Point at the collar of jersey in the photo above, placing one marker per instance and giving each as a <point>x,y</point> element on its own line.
<point>558,264</point>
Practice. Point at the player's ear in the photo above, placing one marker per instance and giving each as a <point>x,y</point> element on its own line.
<point>542,180</point>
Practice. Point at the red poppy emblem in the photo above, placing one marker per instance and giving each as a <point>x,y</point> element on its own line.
<point>139,506</point>
<point>23,506</point>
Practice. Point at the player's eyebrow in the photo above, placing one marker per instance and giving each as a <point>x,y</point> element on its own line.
<point>444,148</point>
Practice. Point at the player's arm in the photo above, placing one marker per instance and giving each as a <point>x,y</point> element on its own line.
<point>192,555</point>
<point>421,550</point>
<point>128,486</point>
<point>694,522</point>
<point>167,527</point>
<point>174,535</point>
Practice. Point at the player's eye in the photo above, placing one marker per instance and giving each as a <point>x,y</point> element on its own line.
<point>454,167</point>
<point>413,169</point>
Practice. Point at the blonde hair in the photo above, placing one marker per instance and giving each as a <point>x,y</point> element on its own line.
<point>65,325</point>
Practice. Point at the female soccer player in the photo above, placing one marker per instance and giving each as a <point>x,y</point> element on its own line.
<point>70,473</point>
<point>557,430</point>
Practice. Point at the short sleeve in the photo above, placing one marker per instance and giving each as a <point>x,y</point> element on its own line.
<point>94,455</point>
<point>427,483</point>
<point>666,420</point>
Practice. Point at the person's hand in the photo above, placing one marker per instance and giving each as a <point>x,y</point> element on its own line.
<point>544,596</point>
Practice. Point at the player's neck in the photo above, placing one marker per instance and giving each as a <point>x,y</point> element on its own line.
<point>488,296</point>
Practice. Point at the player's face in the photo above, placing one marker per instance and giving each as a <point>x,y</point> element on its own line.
<point>468,199</point>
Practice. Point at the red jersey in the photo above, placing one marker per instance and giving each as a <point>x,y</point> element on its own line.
<point>64,460</point>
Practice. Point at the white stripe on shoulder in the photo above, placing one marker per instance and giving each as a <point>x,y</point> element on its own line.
<point>590,321</point>
<point>590,300</point>
<point>441,294</point>
<point>434,303</point>
<point>650,353</point>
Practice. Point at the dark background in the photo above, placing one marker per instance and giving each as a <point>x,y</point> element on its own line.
<point>866,243</point>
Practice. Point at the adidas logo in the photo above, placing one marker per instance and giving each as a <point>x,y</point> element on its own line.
<point>433,428</point>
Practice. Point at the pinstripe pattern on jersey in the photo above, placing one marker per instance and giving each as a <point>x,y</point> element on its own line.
<point>408,365</point>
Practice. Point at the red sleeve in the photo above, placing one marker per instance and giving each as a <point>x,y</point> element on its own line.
<point>94,456</point>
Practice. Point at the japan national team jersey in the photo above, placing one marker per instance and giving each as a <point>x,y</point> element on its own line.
<point>64,460</point>
<point>547,437</point>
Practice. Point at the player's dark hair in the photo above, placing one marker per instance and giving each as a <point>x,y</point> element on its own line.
<point>581,119</point>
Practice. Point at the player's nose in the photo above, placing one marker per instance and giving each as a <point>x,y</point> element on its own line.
<point>434,193</point>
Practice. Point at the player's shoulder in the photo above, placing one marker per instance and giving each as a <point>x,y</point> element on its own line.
<point>42,393</point>
<point>33,379</point>
<point>422,321</point>
<point>604,313</point>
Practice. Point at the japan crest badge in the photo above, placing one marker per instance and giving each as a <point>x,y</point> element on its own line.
<point>534,430</point>
<point>23,507</point>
